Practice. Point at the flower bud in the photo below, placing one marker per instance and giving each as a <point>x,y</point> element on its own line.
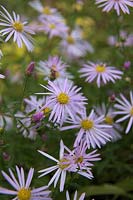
<point>127,64</point>
<point>37,117</point>
<point>30,68</point>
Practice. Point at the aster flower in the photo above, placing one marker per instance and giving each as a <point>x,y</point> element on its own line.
<point>109,116</point>
<point>2,76</point>
<point>117,5</point>
<point>22,187</point>
<point>100,72</point>
<point>124,39</point>
<point>83,160</point>
<point>64,99</point>
<point>45,11</point>
<point>125,108</point>
<point>75,196</point>
<point>53,68</point>
<point>14,27</point>
<point>62,166</point>
<point>54,26</point>
<point>74,46</point>
<point>92,129</point>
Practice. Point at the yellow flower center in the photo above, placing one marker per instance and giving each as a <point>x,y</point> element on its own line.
<point>52,26</point>
<point>63,98</point>
<point>61,163</point>
<point>79,159</point>
<point>131,111</point>
<point>46,111</point>
<point>24,194</point>
<point>109,120</point>
<point>100,68</point>
<point>70,40</point>
<point>18,26</point>
<point>47,11</point>
<point>87,124</point>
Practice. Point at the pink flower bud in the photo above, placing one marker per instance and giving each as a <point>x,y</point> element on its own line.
<point>30,68</point>
<point>37,117</point>
<point>127,64</point>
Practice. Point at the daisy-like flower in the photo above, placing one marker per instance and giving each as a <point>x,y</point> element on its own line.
<point>109,116</point>
<point>22,187</point>
<point>75,196</point>
<point>2,76</point>
<point>53,68</point>
<point>100,72</point>
<point>74,46</point>
<point>125,108</point>
<point>54,26</point>
<point>45,11</point>
<point>64,99</point>
<point>14,27</point>
<point>92,129</point>
<point>83,160</point>
<point>117,5</point>
<point>62,166</point>
<point>124,39</point>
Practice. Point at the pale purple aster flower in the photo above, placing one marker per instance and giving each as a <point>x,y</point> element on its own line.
<point>45,11</point>
<point>14,27</point>
<point>62,166</point>
<point>2,76</point>
<point>73,45</point>
<point>109,116</point>
<point>53,68</point>
<point>75,196</point>
<point>117,5</point>
<point>22,189</point>
<point>100,72</point>
<point>92,129</point>
<point>54,26</point>
<point>124,39</point>
<point>125,108</point>
<point>64,99</point>
<point>83,160</point>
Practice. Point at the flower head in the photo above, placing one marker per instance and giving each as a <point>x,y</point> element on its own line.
<point>117,5</point>
<point>74,46</point>
<point>64,99</point>
<point>62,166</point>
<point>125,108</point>
<point>46,11</point>
<point>53,68</point>
<point>100,72</point>
<point>92,130</point>
<point>14,27</point>
<point>22,187</point>
<point>54,26</point>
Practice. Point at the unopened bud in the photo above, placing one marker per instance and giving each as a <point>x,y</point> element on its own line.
<point>127,64</point>
<point>30,68</point>
<point>112,98</point>
<point>37,117</point>
<point>6,156</point>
